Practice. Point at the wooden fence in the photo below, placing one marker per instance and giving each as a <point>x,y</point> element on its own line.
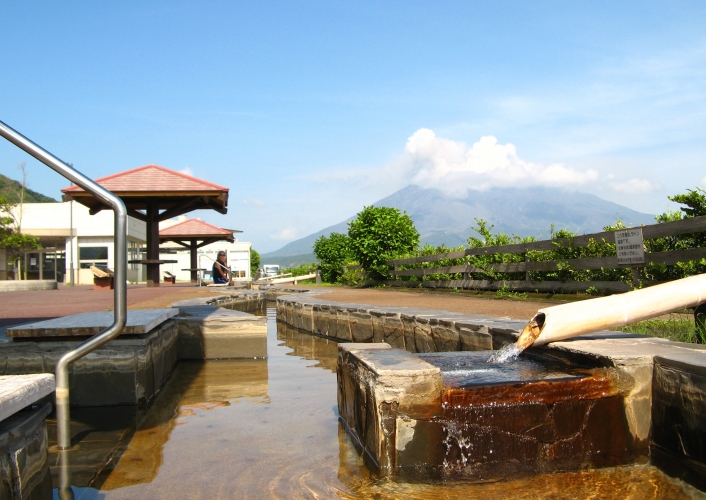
<point>675,228</point>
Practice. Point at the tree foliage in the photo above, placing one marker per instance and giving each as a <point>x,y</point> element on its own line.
<point>11,237</point>
<point>333,253</point>
<point>254,261</point>
<point>379,234</point>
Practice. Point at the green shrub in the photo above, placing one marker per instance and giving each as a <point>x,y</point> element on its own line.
<point>333,253</point>
<point>379,234</point>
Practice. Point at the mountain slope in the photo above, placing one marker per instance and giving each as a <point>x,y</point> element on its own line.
<point>11,190</point>
<point>440,219</point>
<point>306,244</point>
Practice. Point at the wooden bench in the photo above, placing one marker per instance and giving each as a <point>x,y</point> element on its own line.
<point>102,278</point>
<point>169,278</point>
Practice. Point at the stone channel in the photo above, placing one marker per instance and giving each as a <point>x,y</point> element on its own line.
<point>653,406</point>
<point>615,398</point>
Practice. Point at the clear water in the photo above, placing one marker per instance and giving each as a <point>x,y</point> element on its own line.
<point>269,429</point>
<point>506,354</point>
<point>475,369</point>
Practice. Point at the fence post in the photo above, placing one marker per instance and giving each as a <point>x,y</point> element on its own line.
<point>635,277</point>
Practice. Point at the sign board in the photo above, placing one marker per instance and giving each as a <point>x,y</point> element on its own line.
<point>629,246</point>
<point>32,261</point>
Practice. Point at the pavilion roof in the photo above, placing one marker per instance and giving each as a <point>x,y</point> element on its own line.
<point>194,229</point>
<point>175,192</point>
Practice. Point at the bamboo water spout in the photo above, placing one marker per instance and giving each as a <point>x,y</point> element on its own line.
<point>579,318</point>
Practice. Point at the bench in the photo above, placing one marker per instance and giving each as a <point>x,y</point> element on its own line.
<point>169,278</point>
<point>102,278</point>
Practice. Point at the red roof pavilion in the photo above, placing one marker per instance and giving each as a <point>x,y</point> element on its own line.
<point>194,234</point>
<point>153,188</point>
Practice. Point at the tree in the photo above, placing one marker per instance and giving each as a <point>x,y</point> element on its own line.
<point>379,234</point>
<point>11,238</point>
<point>254,261</point>
<point>333,253</point>
<point>695,201</point>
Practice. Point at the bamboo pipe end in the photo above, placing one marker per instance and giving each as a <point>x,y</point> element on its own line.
<point>531,331</point>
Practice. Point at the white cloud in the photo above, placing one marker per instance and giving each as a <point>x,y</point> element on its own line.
<point>453,167</point>
<point>703,182</point>
<point>187,171</point>
<point>254,202</point>
<point>287,233</point>
<point>634,186</point>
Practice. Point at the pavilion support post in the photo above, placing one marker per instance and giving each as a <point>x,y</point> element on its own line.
<point>152,224</point>
<point>194,262</point>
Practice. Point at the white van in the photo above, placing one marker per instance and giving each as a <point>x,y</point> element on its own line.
<point>270,270</point>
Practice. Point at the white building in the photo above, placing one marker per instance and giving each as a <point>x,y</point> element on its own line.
<point>72,239</point>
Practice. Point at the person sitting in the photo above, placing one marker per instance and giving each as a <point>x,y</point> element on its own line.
<point>220,271</point>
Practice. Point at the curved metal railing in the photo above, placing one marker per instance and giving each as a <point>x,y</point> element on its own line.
<point>120,294</point>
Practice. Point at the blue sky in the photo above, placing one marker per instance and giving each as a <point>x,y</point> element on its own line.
<point>310,110</point>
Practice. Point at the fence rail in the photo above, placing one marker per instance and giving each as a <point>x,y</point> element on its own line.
<point>669,258</point>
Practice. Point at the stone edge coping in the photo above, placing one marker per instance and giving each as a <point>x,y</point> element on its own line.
<point>617,348</point>
<point>395,362</point>
<point>20,391</point>
<point>209,308</point>
<point>214,301</point>
<point>50,343</point>
<point>27,285</point>
<point>43,328</point>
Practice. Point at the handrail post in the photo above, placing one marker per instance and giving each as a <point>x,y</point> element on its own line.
<point>120,295</point>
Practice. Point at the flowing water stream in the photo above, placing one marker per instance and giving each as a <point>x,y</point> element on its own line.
<point>270,429</point>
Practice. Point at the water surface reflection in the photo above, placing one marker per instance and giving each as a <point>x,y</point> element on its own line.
<point>269,429</point>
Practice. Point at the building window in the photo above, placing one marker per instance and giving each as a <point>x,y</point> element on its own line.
<point>93,256</point>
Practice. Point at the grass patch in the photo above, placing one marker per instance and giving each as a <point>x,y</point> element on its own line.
<point>677,327</point>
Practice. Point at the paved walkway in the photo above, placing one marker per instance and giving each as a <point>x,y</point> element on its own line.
<point>23,307</point>
<point>467,304</point>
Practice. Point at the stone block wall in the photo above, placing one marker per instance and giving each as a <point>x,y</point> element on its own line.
<point>679,419</point>
<point>126,371</point>
<point>24,468</point>
<point>377,385</point>
<point>414,330</point>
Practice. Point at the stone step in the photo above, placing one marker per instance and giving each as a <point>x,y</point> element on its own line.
<point>19,391</point>
<point>86,324</point>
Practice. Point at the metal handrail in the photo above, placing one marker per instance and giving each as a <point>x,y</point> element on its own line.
<point>120,295</point>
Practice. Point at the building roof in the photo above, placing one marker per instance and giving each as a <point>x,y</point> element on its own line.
<point>151,178</point>
<point>194,229</point>
<point>152,182</point>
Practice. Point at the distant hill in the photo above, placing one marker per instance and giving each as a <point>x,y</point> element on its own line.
<point>11,190</point>
<point>523,212</point>
<point>305,245</point>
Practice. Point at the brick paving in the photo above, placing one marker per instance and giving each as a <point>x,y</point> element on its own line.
<point>24,307</point>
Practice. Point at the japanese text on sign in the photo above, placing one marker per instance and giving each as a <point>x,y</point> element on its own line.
<point>628,243</point>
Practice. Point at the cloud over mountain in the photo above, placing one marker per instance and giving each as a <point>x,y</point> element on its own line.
<point>453,167</point>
